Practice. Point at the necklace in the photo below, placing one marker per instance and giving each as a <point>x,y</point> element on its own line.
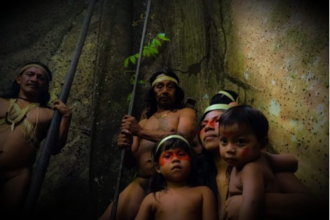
<point>16,115</point>
<point>162,116</point>
<point>25,99</point>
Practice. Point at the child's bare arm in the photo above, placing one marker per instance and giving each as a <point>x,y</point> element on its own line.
<point>253,191</point>
<point>296,201</point>
<point>209,205</point>
<point>282,162</point>
<point>145,210</point>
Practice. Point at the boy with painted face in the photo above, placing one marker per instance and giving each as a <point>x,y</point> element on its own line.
<point>295,199</point>
<point>243,135</point>
<point>175,193</point>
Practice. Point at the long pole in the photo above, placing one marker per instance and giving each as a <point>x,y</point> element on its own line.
<point>122,153</point>
<point>43,162</point>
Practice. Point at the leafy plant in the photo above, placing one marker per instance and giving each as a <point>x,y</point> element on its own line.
<point>150,50</point>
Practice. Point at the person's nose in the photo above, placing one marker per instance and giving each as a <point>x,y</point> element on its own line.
<point>175,159</point>
<point>209,126</point>
<point>165,89</point>
<point>230,149</point>
<point>33,78</point>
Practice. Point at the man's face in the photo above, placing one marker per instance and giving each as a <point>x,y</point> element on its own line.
<point>165,92</point>
<point>33,81</point>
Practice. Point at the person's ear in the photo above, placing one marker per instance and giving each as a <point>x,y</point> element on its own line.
<point>264,142</point>
<point>18,79</point>
<point>157,167</point>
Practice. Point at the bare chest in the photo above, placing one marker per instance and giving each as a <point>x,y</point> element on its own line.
<point>168,123</point>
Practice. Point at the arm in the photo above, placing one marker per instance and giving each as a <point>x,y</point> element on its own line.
<point>186,127</point>
<point>209,205</point>
<point>253,191</point>
<point>296,201</point>
<point>64,125</point>
<point>282,162</point>
<point>145,210</point>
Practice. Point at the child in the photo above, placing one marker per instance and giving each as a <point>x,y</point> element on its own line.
<point>175,194</point>
<point>243,137</point>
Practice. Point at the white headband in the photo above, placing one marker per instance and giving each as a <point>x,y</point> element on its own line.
<point>170,137</point>
<point>162,78</point>
<point>221,106</point>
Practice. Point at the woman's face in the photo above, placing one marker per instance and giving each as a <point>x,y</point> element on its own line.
<point>209,132</point>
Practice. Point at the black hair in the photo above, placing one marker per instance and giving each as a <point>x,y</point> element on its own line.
<point>208,168</point>
<point>151,99</point>
<point>14,88</point>
<point>245,115</point>
<point>157,181</point>
<point>217,99</point>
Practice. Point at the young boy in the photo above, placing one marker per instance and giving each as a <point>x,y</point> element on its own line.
<point>243,137</point>
<point>175,193</point>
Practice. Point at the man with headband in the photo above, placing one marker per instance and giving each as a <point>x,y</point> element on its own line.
<point>24,120</point>
<point>165,115</point>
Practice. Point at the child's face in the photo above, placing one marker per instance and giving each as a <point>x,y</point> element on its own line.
<point>238,145</point>
<point>174,165</point>
<point>209,133</point>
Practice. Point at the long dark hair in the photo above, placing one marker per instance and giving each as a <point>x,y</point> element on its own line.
<point>151,99</point>
<point>14,88</point>
<point>157,181</point>
<point>208,167</point>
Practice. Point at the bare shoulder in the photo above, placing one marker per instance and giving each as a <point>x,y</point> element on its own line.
<point>187,111</point>
<point>151,198</point>
<point>46,113</point>
<point>203,189</point>
<point>143,122</point>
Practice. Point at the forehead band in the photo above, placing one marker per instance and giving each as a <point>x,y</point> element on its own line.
<point>163,78</point>
<point>171,137</point>
<point>221,106</point>
<point>36,66</point>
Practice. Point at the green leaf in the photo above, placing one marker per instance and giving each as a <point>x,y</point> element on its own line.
<point>153,50</point>
<point>129,98</point>
<point>132,80</point>
<point>158,42</point>
<point>141,81</point>
<point>153,43</point>
<point>132,59</point>
<point>137,55</point>
<point>162,36</point>
<point>126,62</point>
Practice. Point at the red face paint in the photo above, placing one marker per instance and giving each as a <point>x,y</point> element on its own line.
<point>245,152</point>
<point>212,123</point>
<point>167,156</point>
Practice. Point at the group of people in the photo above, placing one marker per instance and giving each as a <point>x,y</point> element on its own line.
<point>225,174</point>
<point>174,180</point>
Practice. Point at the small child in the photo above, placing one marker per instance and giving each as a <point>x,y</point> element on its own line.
<point>174,191</point>
<point>243,136</point>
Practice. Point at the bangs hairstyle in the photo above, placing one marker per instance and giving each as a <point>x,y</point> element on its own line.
<point>157,181</point>
<point>151,99</point>
<point>245,115</point>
